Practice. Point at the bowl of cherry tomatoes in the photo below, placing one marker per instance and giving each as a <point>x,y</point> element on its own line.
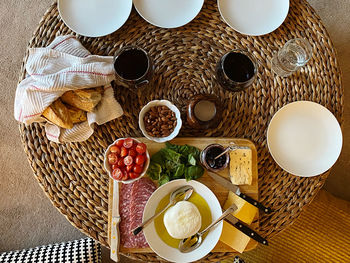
<point>126,160</point>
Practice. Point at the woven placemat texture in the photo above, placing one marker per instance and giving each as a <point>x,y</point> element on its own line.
<point>320,234</point>
<point>72,174</point>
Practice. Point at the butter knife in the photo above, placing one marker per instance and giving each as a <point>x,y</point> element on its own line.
<point>114,244</point>
<point>235,189</point>
<point>246,230</point>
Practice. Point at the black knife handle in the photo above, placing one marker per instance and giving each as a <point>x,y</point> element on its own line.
<point>255,203</point>
<point>250,233</point>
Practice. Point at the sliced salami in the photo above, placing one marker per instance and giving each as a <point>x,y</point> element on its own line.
<point>133,200</point>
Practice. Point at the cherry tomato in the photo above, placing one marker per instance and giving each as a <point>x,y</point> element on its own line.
<point>134,175</point>
<point>128,160</point>
<point>140,159</point>
<point>112,158</point>
<point>123,152</point>
<point>141,148</point>
<point>138,169</point>
<point>132,153</point>
<point>128,143</point>
<point>115,166</point>
<point>121,163</point>
<point>125,176</point>
<point>117,174</point>
<point>129,168</point>
<point>119,143</point>
<point>115,149</point>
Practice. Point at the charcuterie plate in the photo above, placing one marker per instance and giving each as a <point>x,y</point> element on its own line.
<point>220,192</point>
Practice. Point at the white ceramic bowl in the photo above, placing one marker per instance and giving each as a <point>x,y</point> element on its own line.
<point>173,254</point>
<point>108,167</point>
<point>304,138</point>
<point>172,107</point>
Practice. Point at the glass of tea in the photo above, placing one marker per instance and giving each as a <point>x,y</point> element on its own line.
<point>133,67</point>
<point>236,70</point>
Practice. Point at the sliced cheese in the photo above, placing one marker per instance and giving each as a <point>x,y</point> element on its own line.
<point>234,238</point>
<point>241,166</point>
<point>245,212</point>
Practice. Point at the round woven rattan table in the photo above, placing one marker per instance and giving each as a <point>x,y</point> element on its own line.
<point>72,174</point>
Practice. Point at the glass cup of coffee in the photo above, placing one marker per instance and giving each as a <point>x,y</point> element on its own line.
<point>236,70</point>
<point>133,67</point>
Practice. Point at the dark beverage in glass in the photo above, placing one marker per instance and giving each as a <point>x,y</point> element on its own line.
<point>133,67</point>
<point>236,70</point>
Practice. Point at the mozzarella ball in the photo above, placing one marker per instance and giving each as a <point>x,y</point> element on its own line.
<point>182,220</point>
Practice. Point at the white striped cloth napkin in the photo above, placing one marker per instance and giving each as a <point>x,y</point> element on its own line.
<point>65,65</point>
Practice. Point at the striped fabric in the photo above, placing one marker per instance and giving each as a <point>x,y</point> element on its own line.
<point>79,251</point>
<point>65,65</point>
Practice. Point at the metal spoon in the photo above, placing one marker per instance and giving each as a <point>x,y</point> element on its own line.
<point>211,162</point>
<point>191,243</point>
<point>180,194</point>
<point>229,148</point>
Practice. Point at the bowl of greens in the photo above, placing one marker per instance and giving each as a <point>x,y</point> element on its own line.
<point>175,162</point>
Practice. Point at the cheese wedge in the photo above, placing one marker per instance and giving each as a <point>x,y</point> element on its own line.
<point>245,212</point>
<point>241,166</point>
<point>234,238</point>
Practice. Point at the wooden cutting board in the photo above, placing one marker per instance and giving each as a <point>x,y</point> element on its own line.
<point>220,192</point>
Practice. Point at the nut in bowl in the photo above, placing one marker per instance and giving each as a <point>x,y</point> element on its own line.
<point>160,121</point>
<point>126,160</point>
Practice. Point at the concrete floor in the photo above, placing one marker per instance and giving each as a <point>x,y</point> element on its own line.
<point>27,217</point>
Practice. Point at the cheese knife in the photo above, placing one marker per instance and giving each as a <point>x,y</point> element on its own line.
<point>114,244</point>
<point>246,230</point>
<point>235,189</point>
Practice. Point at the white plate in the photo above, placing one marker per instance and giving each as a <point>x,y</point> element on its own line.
<point>254,17</point>
<point>168,13</point>
<point>94,18</point>
<point>173,254</point>
<point>304,138</point>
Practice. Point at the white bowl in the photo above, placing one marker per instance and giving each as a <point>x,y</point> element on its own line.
<point>304,138</point>
<point>172,107</point>
<point>173,254</point>
<point>108,167</point>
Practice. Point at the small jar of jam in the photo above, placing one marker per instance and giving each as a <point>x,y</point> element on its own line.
<point>204,111</point>
<point>208,160</point>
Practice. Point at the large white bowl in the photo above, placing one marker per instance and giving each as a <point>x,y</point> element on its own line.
<point>108,167</point>
<point>173,254</point>
<point>172,107</point>
<point>304,138</point>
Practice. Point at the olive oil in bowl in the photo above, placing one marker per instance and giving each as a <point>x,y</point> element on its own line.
<point>197,200</point>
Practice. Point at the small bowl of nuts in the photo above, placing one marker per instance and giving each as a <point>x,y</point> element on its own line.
<point>160,120</point>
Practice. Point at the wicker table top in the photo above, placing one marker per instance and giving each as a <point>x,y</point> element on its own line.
<point>72,174</point>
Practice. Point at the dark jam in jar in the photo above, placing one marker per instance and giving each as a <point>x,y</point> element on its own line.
<point>208,157</point>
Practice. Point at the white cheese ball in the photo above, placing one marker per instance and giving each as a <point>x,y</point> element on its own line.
<point>182,220</point>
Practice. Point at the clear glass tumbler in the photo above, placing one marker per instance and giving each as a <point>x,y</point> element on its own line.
<point>293,55</point>
<point>133,67</point>
<point>236,70</point>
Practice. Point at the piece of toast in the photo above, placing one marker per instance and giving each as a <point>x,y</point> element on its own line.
<point>58,114</point>
<point>76,115</point>
<point>84,99</point>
